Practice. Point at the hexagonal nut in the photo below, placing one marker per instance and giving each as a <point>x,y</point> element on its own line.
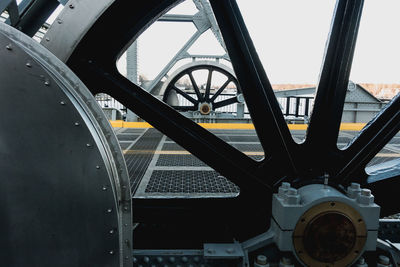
<point>365,200</point>
<point>283,189</point>
<point>353,190</point>
<point>292,197</point>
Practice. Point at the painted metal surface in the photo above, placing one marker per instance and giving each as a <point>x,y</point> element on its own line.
<point>72,24</point>
<point>65,194</point>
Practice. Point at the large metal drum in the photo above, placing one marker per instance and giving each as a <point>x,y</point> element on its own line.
<point>64,189</point>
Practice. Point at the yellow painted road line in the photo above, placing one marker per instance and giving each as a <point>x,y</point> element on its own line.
<point>234,126</point>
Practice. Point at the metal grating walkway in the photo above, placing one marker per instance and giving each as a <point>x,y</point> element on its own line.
<point>160,168</point>
<point>139,155</point>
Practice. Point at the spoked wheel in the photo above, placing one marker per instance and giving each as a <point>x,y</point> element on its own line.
<point>315,160</point>
<point>202,97</point>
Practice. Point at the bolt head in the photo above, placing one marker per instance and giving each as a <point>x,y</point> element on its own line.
<point>366,192</point>
<point>292,192</point>
<point>383,260</point>
<point>261,259</point>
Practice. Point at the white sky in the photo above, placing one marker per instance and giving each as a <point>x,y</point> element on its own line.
<point>290,37</point>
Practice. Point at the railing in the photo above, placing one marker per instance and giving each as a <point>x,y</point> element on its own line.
<point>296,106</point>
<point>106,101</point>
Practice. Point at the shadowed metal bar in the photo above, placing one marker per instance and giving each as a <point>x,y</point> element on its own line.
<point>334,78</point>
<point>263,106</point>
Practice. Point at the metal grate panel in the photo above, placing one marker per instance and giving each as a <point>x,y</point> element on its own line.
<point>189,181</point>
<point>172,147</point>
<point>124,145</point>
<point>138,163</point>
<point>249,147</point>
<point>178,160</point>
<point>133,131</point>
<point>127,137</point>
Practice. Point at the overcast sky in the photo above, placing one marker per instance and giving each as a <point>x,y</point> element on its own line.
<point>290,37</point>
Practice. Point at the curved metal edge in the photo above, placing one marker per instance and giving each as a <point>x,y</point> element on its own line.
<point>99,127</point>
<point>194,64</point>
<point>74,21</point>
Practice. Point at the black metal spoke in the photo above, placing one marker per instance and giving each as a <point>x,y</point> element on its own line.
<point>371,140</point>
<point>334,78</point>
<point>195,87</point>
<point>185,95</point>
<point>208,85</point>
<point>220,90</point>
<point>226,102</point>
<point>213,151</point>
<point>385,184</point>
<point>263,106</point>
<point>185,108</point>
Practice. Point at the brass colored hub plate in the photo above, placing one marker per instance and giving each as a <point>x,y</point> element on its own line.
<point>329,234</point>
<point>205,109</point>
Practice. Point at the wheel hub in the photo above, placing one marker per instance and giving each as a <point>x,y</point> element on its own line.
<point>322,226</point>
<point>205,108</point>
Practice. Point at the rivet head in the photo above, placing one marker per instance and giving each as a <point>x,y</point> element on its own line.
<point>111,231</point>
<point>29,65</point>
<point>109,210</point>
<point>47,39</point>
<point>88,145</point>
<point>146,259</point>
<point>71,6</point>
<point>62,103</point>
<point>126,208</point>
<point>111,252</point>
<point>47,83</point>
<point>104,188</point>
<point>9,47</point>
<point>171,259</point>
<point>59,21</point>
<point>97,167</point>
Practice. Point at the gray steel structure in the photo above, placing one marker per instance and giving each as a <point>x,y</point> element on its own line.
<point>360,106</point>
<point>67,178</point>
